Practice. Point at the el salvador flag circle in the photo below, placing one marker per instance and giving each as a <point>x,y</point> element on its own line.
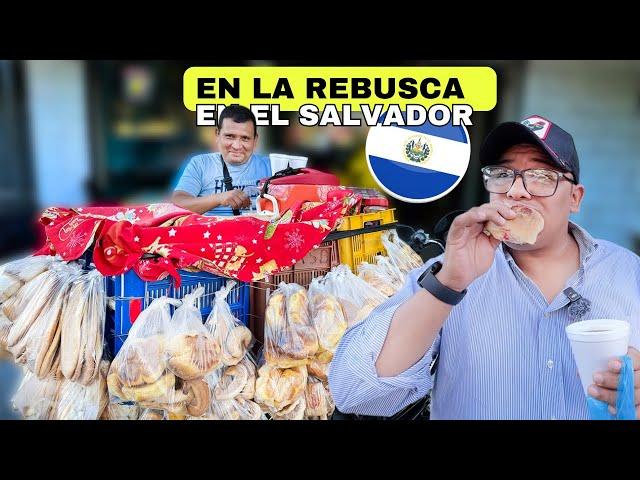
<point>418,164</point>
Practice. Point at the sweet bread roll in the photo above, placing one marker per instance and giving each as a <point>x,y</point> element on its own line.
<point>140,361</point>
<point>275,313</point>
<point>329,321</point>
<point>248,410</point>
<point>176,416</point>
<point>201,397</point>
<point>277,388</point>
<point>9,285</point>
<point>236,345</point>
<point>295,411</point>
<point>298,308</point>
<point>523,229</point>
<point>318,400</point>
<point>158,391</point>
<point>377,281</point>
<point>319,369</point>
<point>115,385</point>
<point>231,383</point>
<point>249,390</point>
<point>193,355</point>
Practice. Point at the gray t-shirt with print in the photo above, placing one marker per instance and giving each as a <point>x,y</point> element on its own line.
<point>203,176</point>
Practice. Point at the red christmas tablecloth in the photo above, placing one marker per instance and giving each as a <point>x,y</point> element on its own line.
<point>245,247</point>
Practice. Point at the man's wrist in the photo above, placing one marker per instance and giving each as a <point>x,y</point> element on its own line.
<point>445,279</point>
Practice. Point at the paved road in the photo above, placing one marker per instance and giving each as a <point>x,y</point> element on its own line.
<point>10,376</point>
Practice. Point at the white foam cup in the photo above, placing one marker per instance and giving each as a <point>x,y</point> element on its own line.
<point>594,343</point>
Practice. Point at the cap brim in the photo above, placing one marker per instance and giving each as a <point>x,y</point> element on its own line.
<point>507,135</point>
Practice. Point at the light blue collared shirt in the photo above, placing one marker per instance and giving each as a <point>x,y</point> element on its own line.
<point>504,353</point>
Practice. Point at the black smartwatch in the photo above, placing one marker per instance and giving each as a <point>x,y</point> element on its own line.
<point>431,284</point>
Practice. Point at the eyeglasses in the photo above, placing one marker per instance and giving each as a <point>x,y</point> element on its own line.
<point>539,182</point>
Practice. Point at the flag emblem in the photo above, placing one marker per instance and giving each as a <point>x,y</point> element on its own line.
<point>417,149</point>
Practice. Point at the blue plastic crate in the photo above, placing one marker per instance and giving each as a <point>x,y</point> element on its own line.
<point>128,287</point>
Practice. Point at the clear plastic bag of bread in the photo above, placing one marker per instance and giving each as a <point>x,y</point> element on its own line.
<point>385,264</point>
<point>278,389</point>
<point>235,381</point>
<point>192,352</point>
<point>356,296</point>
<point>377,277</point>
<point>233,392</point>
<point>15,274</point>
<point>319,404</point>
<point>235,338</point>
<point>82,328</point>
<point>35,399</point>
<point>34,339</point>
<point>328,318</point>
<point>75,401</point>
<point>139,371</point>
<point>289,337</point>
<point>400,253</point>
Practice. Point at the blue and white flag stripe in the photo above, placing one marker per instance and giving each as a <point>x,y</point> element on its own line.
<point>448,131</point>
<point>388,143</point>
<point>437,175</point>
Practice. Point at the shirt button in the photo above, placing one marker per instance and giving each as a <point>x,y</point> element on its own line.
<point>549,364</point>
<point>546,315</point>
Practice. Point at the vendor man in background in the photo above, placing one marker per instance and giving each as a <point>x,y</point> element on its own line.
<point>203,188</point>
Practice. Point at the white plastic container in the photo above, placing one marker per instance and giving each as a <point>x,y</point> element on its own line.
<point>280,161</point>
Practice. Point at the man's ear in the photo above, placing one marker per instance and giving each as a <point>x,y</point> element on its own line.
<point>577,194</point>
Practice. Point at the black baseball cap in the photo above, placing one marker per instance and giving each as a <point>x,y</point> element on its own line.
<point>535,130</point>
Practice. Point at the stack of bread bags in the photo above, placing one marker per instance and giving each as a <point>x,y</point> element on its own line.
<point>163,361</point>
<point>291,342</point>
<point>139,372</point>
<point>328,318</point>
<point>232,386</point>
<point>41,310</point>
<point>13,276</point>
<point>192,354</point>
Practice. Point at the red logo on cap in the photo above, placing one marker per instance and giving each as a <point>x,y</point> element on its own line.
<point>538,125</point>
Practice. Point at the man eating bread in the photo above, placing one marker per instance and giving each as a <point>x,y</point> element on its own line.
<point>483,325</point>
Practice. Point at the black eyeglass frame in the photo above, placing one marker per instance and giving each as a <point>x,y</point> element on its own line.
<point>520,173</point>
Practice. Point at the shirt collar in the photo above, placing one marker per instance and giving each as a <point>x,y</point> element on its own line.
<point>586,243</point>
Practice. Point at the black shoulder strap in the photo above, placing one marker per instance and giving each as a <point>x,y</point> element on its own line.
<point>228,183</point>
<point>287,172</point>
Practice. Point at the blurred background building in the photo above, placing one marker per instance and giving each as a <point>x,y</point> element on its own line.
<point>78,132</point>
<point>102,132</point>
